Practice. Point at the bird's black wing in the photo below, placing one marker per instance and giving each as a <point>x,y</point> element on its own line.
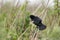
<point>41,27</point>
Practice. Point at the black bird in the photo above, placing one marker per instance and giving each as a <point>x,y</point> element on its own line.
<point>38,22</point>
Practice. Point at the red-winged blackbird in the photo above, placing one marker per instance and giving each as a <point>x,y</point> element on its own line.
<point>38,22</point>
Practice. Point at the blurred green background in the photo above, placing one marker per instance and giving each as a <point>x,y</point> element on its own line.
<point>15,23</point>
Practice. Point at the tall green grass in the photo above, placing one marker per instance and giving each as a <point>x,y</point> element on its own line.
<point>15,24</point>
